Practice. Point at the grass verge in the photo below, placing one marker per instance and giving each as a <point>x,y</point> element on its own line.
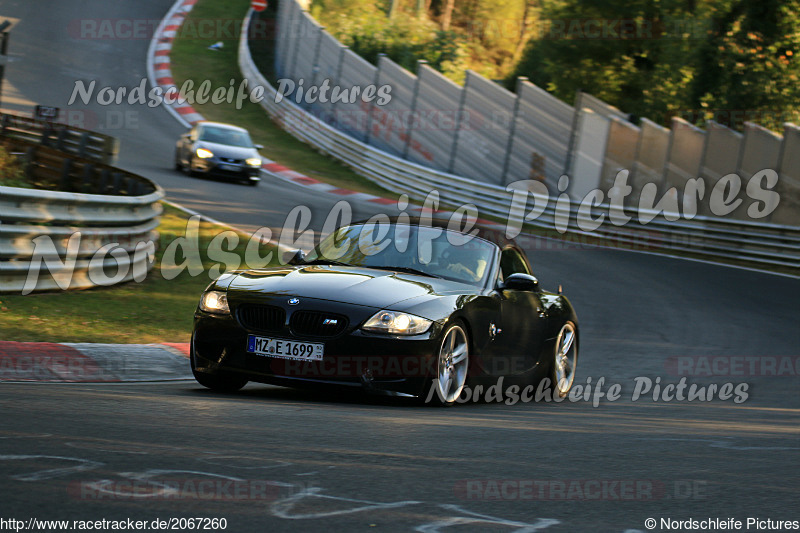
<point>192,60</point>
<point>156,310</point>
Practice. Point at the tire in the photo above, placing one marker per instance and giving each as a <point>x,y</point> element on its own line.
<point>218,382</point>
<point>452,364</point>
<point>565,361</point>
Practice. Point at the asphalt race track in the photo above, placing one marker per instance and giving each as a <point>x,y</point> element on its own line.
<point>281,460</point>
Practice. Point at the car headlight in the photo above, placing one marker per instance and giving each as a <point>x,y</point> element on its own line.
<point>215,302</point>
<point>254,162</point>
<point>397,323</point>
<point>202,153</point>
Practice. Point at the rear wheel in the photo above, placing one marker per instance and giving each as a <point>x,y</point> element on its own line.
<point>452,365</point>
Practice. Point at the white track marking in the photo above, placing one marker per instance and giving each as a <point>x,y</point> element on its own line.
<point>283,507</point>
<point>82,466</point>
<point>470,517</point>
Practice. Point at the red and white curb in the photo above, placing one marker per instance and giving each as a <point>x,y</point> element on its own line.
<point>160,75</point>
<point>158,63</point>
<point>92,363</point>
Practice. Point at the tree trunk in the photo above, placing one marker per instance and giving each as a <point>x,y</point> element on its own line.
<point>448,14</point>
<point>523,32</point>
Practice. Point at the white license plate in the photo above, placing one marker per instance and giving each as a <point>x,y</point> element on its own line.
<point>285,349</point>
<point>229,168</point>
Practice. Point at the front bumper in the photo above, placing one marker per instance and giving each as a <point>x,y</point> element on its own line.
<point>354,359</point>
<point>216,167</point>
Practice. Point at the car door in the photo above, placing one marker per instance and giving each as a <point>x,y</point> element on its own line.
<point>522,319</point>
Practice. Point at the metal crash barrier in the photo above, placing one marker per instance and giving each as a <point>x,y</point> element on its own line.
<point>86,224</point>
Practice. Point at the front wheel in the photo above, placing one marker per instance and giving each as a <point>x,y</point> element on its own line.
<point>565,360</point>
<point>452,365</point>
<point>218,382</point>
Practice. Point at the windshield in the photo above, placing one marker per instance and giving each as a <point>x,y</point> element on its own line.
<point>407,248</point>
<point>227,136</point>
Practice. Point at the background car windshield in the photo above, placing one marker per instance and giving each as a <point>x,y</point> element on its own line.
<point>435,251</point>
<point>226,136</point>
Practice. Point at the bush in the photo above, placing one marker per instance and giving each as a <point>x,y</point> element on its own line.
<point>12,173</point>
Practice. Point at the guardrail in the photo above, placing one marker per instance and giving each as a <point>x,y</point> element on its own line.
<point>752,243</point>
<point>97,229</point>
<point>77,141</point>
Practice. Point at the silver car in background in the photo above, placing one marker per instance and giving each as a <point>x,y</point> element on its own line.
<point>222,150</point>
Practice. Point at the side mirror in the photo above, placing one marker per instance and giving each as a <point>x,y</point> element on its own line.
<point>258,146</point>
<point>521,282</point>
<point>186,135</point>
<point>295,257</point>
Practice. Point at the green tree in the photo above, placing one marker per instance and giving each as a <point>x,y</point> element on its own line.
<point>748,68</point>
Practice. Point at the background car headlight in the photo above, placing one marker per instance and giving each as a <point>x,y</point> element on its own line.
<point>215,302</point>
<point>254,162</point>
<point>397,323</point>
<point>202,153</point>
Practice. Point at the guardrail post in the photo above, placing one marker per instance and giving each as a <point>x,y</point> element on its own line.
<point>376,82</point>
<point>83,143</point>
<point>66,168</point>
<point>88,175</point>
<point>116,179</point>
<point>62,136</point>
<point>103,183</point>
<point>30,154</point>
<point>420,63</point>
<point>461,104</point>
<point>506,163</point>
<point>4,123</point>
<point>110,150</point>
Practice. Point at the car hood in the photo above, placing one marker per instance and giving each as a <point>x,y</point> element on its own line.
<point>226,150</point>
<point>353,285</point>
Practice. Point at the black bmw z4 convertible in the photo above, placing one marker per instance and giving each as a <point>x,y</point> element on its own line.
<point>406,307</point>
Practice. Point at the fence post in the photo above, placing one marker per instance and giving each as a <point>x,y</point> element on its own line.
<point>506,163</point>
<point>420,63</point>
<point>461,103</point>
<point>315,63</point>
<point>296,50</point>
<point>662,189</point>
<point>342,52</point>
<point>575,121</point>
<point>285,48</point>
<point>376,82</point>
